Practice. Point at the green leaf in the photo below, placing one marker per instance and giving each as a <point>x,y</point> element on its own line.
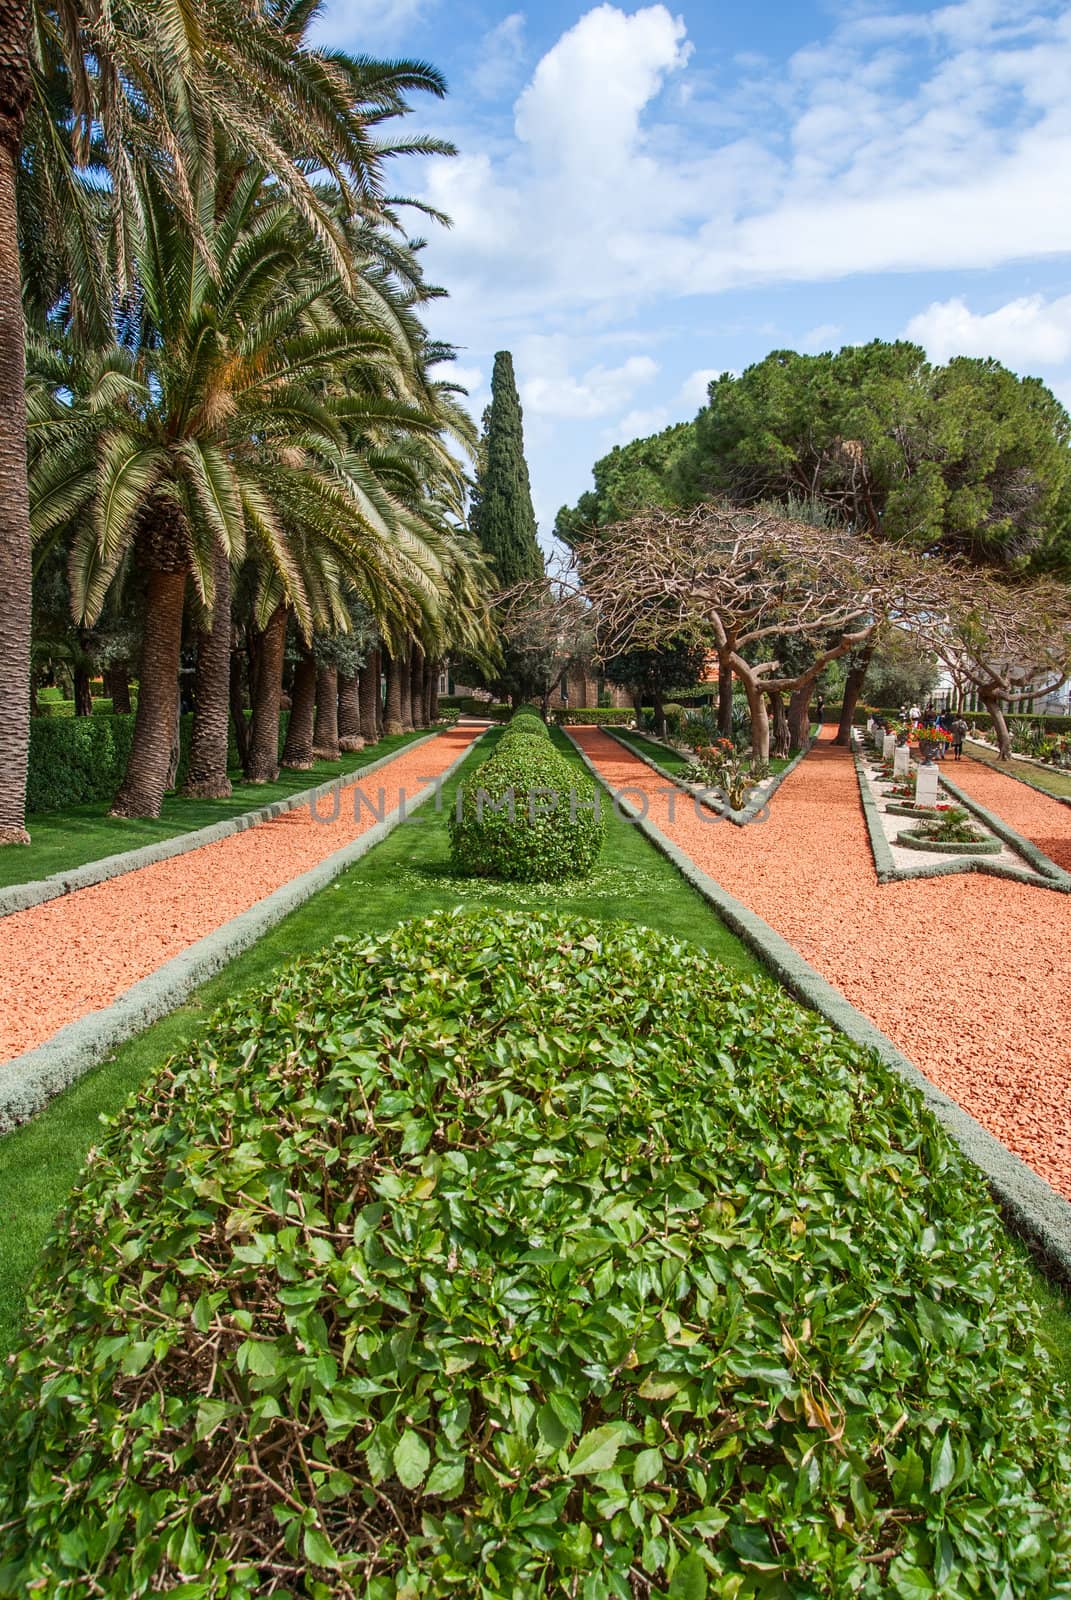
<point>567,1411</point>
<point>910,1583</point>
<point>447,1478</point>
<point>411,1459</point>
<point>646,1467</point>
<point>319,1549</point>
<point>942,1465</point>
<point>689,1580</point>
<point>597,1450</point>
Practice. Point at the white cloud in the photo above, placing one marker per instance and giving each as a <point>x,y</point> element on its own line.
<point>581,112</point>
<point>1027,332</point>
<point>601,390</point>
<point>907,142</point>
<point>355,24</point>
<point>822,337</point>
<point>470,378</point>
<point>499,57</point>
<point>693,391</point>
<point>638,425</point>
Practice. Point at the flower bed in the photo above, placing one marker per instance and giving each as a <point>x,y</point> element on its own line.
<point>972,847</point>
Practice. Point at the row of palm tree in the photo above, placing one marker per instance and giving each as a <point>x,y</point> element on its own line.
<point>232,414</point>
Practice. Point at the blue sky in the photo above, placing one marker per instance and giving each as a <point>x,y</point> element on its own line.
<point>647,195</point>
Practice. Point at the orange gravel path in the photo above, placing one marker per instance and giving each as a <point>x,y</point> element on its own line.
<point>968,974</point>
<point>77,954</point>
<point>1038,817</point>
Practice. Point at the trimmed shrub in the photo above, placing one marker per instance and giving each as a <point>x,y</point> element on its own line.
<point>74,760</point>
<point>572,716</point>
<point>515,1256</point>
<point>528,815</point>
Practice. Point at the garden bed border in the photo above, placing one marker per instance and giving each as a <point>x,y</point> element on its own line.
<point>28,1081</point>
<point>752,812</point>
<point>36,891</point>
<point>1046,874</point>
<point>1030,1206</point>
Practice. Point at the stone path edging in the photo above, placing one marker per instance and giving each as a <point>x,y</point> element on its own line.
<point>23,896</point>
<point>30,1080</point>
<point>1046,874</point>
<point>1029,1204</point>
<point>754,809</point>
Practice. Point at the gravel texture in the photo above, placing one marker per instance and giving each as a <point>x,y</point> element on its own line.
<point>1043,820</point>
<point>72,956</point>
<point>967,974</point>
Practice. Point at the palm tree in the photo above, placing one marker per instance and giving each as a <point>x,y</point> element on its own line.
<point>123,88</point>
<point>207,428</point>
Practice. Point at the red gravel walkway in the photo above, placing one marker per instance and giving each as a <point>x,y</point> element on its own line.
<point>968,974</point>
<point>1038,817</point>
<point>77,954</point>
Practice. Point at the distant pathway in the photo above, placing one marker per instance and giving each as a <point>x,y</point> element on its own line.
<point>968,974</point>
<point>1037,816</point>
<point>77,954</point>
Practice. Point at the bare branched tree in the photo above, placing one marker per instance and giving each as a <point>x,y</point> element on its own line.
<point>746,582</point>
<point>1009,641</point>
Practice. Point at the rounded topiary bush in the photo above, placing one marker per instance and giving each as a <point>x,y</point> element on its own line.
<point>528,814</point>
<point>525,1256</point>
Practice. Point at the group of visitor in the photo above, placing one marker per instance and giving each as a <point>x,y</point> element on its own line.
<point>952,724</point>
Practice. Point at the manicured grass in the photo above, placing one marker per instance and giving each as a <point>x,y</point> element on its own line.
<point>407,875</point>
<point>62,840</point>
<point>679,765</point>
<point>672,760</point>
<point>1048,780</point>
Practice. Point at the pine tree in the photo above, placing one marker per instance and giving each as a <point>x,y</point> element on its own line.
<point>501,515</point>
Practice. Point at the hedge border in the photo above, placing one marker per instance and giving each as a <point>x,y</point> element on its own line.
<point>30,1080</point>
<point>752,812</point>
<point>1030,1206</point>
<point>1046,874</point>
<point>35,892</point>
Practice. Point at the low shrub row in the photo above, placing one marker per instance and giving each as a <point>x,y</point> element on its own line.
<point>79,760</point>
<point>528,815</point>
<point>508,1256</point>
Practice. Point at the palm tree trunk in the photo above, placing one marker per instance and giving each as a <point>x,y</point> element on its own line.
<point>368,693</point>
<point>117,689</point>
<point>433,693</point>
<point>83,694</point>
<point>350,737</point>
<point>325,736</point>
<point>405,688</point>
<point>392,714</point>
<point>416,686</point>
<point>237,703</point>
<point>297,752</point>
<point>142,790</point>
<point>15,569</point>
<point>267,690</point>
<point>206,776</point>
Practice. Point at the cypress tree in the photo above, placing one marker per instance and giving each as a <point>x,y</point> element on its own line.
<point>501,514</point>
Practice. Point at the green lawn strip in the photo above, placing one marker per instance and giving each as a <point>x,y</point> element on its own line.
<point>1051,782</point>
<point>63,840</point>
<point>407,875</point>
<point>679,765</point>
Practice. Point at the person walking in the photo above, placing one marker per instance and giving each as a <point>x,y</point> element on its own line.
<point>959,731</point>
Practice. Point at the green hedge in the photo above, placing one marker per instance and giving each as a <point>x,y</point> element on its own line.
<point>78,760</point>
<point>513,1256</point>
<point>504,827</point>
